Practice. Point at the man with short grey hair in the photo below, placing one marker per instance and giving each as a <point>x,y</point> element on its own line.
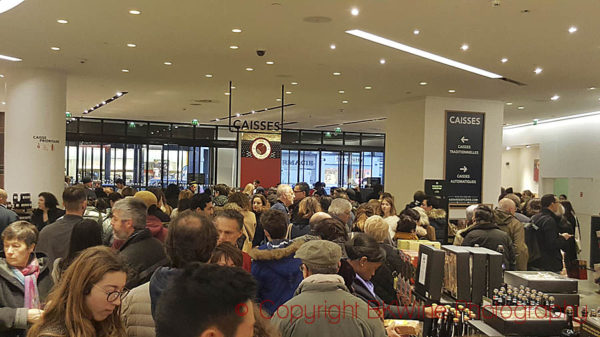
<point>341,209</point>
<point>6,216</point>
<point>469,212</point>
<point>285,198</point>
<point>142,252</point>
<point>330,308</point>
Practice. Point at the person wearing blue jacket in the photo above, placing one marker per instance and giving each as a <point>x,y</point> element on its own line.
<point>273,264</point>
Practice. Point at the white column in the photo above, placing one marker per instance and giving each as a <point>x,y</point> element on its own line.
<point>35,133</point>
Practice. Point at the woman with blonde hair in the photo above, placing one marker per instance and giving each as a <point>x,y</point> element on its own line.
<point>388,213</point>
<point>86,302</point>
<point>249,189</point>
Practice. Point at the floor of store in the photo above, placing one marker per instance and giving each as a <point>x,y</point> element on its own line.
<point>588,295</point>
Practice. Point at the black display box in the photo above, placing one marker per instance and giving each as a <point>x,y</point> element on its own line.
<point>524,321</point>
<point>429,276</point>
<point>590,327</point>
<point>545,281</point>
<point>491,267</point>
<point>457,273</point>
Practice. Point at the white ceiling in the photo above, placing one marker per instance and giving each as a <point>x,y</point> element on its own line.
<point>196,35</point>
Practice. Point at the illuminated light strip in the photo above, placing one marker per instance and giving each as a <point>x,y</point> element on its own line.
<point>251,113</point>
<point>421,53</point>
<point>103,103</point>
<point>352,122</point>
<point>10,58</point>
<point>6,5</point>
<point>552,120</point>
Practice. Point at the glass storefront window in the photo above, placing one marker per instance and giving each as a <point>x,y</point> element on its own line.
<point>155,165</point>
<point>373,140</point>
<point>114,128</point>
<point>137,129</point>
<point>352,139</point>
<point>310,137</point>
<point>332,138</point>
<point>330,168</point>
<point>309,167</point>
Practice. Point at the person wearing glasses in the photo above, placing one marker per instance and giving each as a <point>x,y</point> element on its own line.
<point>86,301</point>
<point>25,279</point>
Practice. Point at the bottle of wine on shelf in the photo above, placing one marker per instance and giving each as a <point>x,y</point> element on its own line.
<point>568,331</point>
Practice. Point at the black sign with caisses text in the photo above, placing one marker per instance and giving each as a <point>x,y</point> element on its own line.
<point>464,156</point>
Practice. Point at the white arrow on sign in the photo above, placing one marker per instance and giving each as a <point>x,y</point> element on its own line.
<point>464,169</point>
<point>464,140</point>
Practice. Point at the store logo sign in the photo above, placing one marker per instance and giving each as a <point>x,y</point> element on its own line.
<point>261,148</point>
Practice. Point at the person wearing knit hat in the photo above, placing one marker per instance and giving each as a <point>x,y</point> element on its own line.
<point>330,308</point>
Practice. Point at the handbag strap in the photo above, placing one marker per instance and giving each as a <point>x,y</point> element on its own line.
<point>577,225</point>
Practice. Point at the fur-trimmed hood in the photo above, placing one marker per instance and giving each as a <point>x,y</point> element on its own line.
<point>437,213</point>
<point>265,253</point>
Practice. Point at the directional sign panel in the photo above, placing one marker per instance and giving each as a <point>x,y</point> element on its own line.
<point>464,156</point>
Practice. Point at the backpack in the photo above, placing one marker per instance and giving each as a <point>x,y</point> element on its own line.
<point>532,241</point>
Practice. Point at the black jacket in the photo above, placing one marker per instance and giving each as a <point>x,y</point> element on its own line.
<point>259,233</point>
<point>490,236</point>
<point>13,317</point>
<point>300,227</point>
<point>549,241</point>
<point>37,218</point>
<point>143,254</point>
<point>384,276</point>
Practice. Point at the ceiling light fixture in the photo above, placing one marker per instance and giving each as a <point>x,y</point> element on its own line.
<point>167,63</point>
<point>591,88</point>
<point>422,83</point>
<point>345,102</point>
<point>382,61</point>
<point>538,70</point>
<point>336,74</point>
<point>62,21</point>
<point>555,98</point>
<point>125,70</point>
<point>208,75</point>
<point>1,76</point>
<point>10,58</point>
<point>226,94</point>
<point>451,91</point>
<point>103,103</point>
<point>237,114</point>
<point>7,5</point>
<point>421,53</point>
<point>249,69</point>
<point>464,47</point>
<point>236,30</point>
<point>278,99</point>
<point>131,45</point>
<point>509,103</point>
<point>552,120</point>
<point>288,92</point>
<point>294,83</point>
<point>135,12</point>
<point>270,62</point>
<point>3,103</point>
<point>572,29</point>
<point>504,60</point>
<point>233,47</point>
<point>355,11</point>
<point>368,88</point>
<point>55,48</point>
<point>416,32</point>
<point>520,107</point>
<point>332,46</point>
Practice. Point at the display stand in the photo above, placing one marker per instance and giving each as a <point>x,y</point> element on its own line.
<point>595,241</point>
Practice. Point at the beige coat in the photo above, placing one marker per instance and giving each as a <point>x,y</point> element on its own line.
<point>137,314</point>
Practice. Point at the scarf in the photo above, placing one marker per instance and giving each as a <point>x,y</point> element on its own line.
<point>28,278</point>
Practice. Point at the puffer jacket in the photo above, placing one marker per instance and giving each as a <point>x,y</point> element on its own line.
<point>136,313</point>
<point>490,236</point>
<point>330,310</point>
<point>437,219</point>
<point>276,271</point>
<point>514,228</point>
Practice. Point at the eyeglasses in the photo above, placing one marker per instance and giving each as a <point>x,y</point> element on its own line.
<point>301,267</point>
<point>112,296</point>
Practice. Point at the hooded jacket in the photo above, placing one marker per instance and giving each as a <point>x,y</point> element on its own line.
<point>490,236</point>
<point>158,284</point>
<point>299,228</point>
<point>514,228</point>
<point>323,306</point>
<point>437,219</point>
<point>143,254</point>
<point>13,317</point>
<point>276,271</point>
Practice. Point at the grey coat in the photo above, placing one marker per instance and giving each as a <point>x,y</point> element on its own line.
<point>13,317</point>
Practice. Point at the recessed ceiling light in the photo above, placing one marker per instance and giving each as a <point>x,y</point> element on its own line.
<point>253,111</point>
<point>208,75</point>
<point>1,76</point>
<point>509,103</point>
<point>236,30</point>
<point>278,99</point>
<point>55,48</point>
<point>131,45</point>
<point>368,88</point>
<point>420,53</point>
<point>119,94</point>
<point>527,146</point>
<point>226,94</point>
<point>8,5</point>
<point>332,46</point>
<point>504,60</point>
<point>464,46</point>
<point>167,63</point>
<point>555,98</point>
<point>62,21</point>
<point>233,47</point>
<point>520,107</point>
<point>270,62</point>
<point>344,102</point>
<point>288,92</point>
<point>508,148</point>
<point>233,87</point>
<point>336,74</point>
<point>416,32</point>
<point>125,70</point>
<point>249,69</point>
<point>451,91</point>
<point>422,83</point>
<point>135,12</point>
<point>216,119</point>
<point>355,11</point>
<point>538,70</point>
<point>382,61</point>
<point>572,29</point>
<point>294,83</point>
<point>592,88</point>
<point>237,114</point>
<point>341,91</point>
<point>3,103</point>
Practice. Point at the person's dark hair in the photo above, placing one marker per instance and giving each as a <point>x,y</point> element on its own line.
<point>406,224</point>
<point>413,214</point>
<point>192,237</point>
<point>419,196</point>
<point>159,194</point>
<point>114,197</point>
<point>377,188</point>
<point>102,204</point>
<point>184,204</point>
<point>228,251</point>
<point>483,213</point>
<point>568,208</point>
<point>128,191</point>
<point>73,197</point>
<point>534,206</point>
<point>303,187</point>
<point>547,200</point>
<point>233,215</point>
<point>119,181</point>
<point>200,201</point>
<point>172,191</point>
<point>100,192</point>
<point>364,245</point>
<point>222,189</point>
<point>432,201</point>
<point>22,231</point>
<point>325,201</point>
<point>241,199</point>
<point>49,200</point>
<point>85,234</point>
<point>275,223</point>
<point>330,229</point>
<point>528,193</point>
<point>204,295</point>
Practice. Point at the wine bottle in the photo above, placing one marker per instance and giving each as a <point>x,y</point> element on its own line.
<point>568,331</point>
